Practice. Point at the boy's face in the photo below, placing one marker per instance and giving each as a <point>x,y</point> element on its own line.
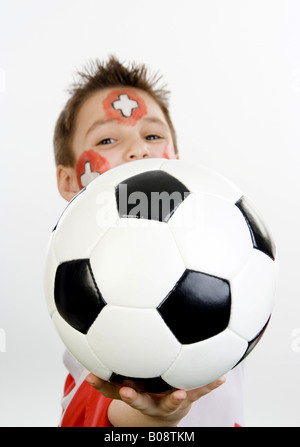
<point>115,126</point>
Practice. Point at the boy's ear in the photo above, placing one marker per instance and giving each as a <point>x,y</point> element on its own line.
<point>67,182</point>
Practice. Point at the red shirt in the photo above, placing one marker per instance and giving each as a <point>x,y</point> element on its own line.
<point>88,408</point>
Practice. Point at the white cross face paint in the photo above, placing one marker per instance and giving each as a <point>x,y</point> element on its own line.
<point>88,175</point>
<point>89,166</point>
<point>126,105</point>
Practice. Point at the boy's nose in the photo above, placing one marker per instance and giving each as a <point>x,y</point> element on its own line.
<point>137,152</point>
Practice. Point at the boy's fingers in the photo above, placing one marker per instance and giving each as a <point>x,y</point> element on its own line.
<point>95,381</point>
<point>147,404</point>
<point>172,401</point>
<point>202,391</point>
<point>105,388</point>
<point>138,401</point>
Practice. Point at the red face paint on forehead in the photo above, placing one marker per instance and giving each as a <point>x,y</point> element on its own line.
<point>124,106</point>
<point>89,166</point>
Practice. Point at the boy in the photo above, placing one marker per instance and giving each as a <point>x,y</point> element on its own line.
<point>114,116</point>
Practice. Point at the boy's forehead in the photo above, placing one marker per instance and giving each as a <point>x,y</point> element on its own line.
<point>125,105</point>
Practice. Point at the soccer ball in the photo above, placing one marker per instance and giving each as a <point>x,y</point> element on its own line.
<point>160,275</point>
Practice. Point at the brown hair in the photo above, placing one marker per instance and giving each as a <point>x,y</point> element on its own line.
<point>97,76</point>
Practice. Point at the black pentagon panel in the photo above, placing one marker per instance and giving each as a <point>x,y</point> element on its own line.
<point>77,297</point>
<point>152,195</point>
<point>253,343</point>
<point>260,235</point>
<point>149,385</point>
<point>198,307</point>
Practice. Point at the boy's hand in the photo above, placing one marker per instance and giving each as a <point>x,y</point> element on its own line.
<point>132,409</point>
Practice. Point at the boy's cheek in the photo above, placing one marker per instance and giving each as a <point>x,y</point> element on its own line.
<point>169,151</point>
<point>89,166</point>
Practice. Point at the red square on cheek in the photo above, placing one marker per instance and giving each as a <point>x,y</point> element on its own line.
<point>89,166</point>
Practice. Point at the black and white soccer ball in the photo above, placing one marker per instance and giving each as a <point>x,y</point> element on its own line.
<point>159,275</point>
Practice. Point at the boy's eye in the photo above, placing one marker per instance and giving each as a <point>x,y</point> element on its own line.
<point>152,137</point>
<point>106,141</point>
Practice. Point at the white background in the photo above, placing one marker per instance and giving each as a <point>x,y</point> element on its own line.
<point>233,67</point>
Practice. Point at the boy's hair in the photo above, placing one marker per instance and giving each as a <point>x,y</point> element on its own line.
<point>97,76</point>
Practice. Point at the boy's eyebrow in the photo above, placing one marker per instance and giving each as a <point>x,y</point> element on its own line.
<point>98,123</point>
<point>101,122</point>
<point>155,120</point>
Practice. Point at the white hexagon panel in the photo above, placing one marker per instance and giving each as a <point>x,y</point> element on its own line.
<point>147,260</point>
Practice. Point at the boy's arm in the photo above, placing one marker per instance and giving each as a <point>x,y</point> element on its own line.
<point>132,409</point>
